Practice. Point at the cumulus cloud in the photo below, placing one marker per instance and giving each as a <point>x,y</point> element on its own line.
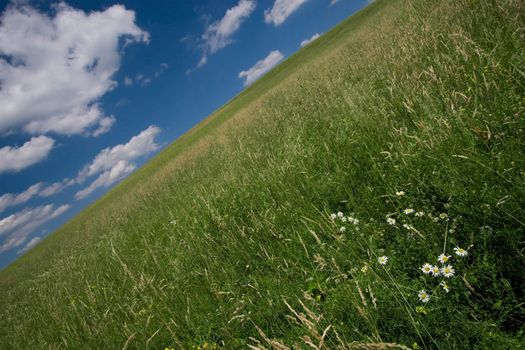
<point>113,164</point>
<point>14,159</point>
<point>261,67</point>
<point>281,10</point>
<point>107,178</point>
<point>15,228</point>
<point>308,41</point>
<point>218,34</point>
<point>54,69</point>
<point>33,242</point>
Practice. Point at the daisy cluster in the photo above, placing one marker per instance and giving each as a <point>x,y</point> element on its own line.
<point>343,220</point>
<point>444,270</point>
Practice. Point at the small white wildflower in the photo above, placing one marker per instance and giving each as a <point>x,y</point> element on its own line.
<point>343,219</point>
<point>419,214</point>
<point>409,211</point>
<point>448,271</point>
<point>382,260</point>
<point>400,193</point>
<point>435,219</point>
<point>342,229</point>
<point>364,268</point>
<point>436,272</point>
<point>340,214</point>
<point>426,268</point>
<point>443,216</point>
<point>423,296</point>
<point>460,251</point>
<point>445,286</point>
<point>391,221</point>
<point>442,258</point>
<point>333,216</point>
<point>407,226</point>
<point>355,221</point>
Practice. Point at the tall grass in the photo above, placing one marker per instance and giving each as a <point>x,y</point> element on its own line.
<point>226,239</point>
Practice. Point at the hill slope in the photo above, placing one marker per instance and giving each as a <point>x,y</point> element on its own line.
<point>226,238</point>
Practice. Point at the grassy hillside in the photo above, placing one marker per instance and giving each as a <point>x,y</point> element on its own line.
<point>226,240</point>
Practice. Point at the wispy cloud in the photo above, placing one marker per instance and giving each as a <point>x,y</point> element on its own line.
<point>33,242</point>
<point>144,79</point>
<point>261,67</point>
<point>281,10</point>
<point>113,164</point>
<point>308,41</point>
<point>11,199</point>
<point>54,69</point>
<point>15,228</point>
<point>14,159</point>
<point>218,34</point>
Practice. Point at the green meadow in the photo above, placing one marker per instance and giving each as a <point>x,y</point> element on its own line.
<point>302,213</point>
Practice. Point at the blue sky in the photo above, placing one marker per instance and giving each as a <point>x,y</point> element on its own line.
<point>89,90</point>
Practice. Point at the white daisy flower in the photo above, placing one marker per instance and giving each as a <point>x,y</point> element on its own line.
<point>436,272</point>
<point>340,214</point>
<point>445,286</point>
<point>426,268</point>
<point>460,251</point>
<point>391,221</point>
<point>409,211</point>
<point>333,216</point>
<point>382,260</point>
<point>409,227</point>
<point>342,229</point>
<point>355,221</point>
<point>419,214</point>
<point>343,219</point>
<point>423,296</point>
<point>443,216</point>
<point>400,193</point>
<point>444,258</point>
<point>448,271</point>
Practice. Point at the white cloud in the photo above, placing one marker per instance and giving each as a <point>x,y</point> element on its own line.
<point>37,190</point>
<point>56,187</point>
<point>30,245</point>
<point>54,69</point>
<point>11,199</point>
<point>119,171</point>
<point>308,41</point>
<point>333,2</point>
<point>13,159</point>
<point>261,67</point>
<point>16,227</point>
<point>218,34</point>
<point>144,79</point>
<point>113,164</point>
<point>281,10</point>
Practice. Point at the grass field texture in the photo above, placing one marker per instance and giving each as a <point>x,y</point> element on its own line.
<point>303,213</point>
